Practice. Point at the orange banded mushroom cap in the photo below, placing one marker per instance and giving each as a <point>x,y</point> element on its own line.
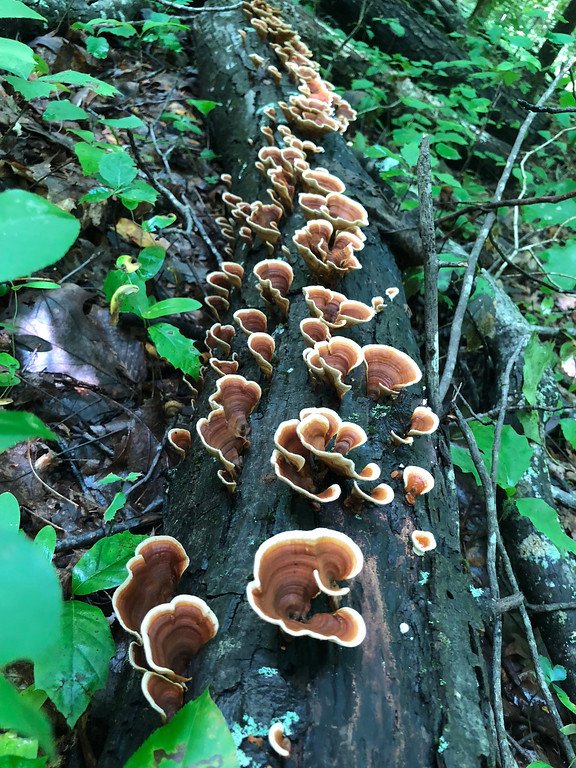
<point>313,329</point>
<point>337,357</point>
<point>382,494</point>
<point>251,320</point>
<point>180,439</point>
<point>302,481</point>
<point>417,481</point>
<point>422,542</point>
<point>262,347</point>
<point>423,421</point>
<point>163,695</point>
<point>388,370</point>
<point>172,633</point>
<point>238,397</point>
<point>280,743</point>
<point>221,441</point>
<point>153,574</point>
<point>274,280</point>
<point>284,583</point>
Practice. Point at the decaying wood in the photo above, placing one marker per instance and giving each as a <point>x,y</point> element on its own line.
<point>400,699</point>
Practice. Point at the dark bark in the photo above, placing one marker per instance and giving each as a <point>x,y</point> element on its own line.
<point>565,26</point>
<point>398,699</point>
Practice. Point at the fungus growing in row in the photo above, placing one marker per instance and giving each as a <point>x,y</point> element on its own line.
<point>218,338</point>
<point>163,695</point>
<point>174,632</point>
<point>417,482</point>
<point>274,280</point>
<point>219,283</point>
<point>263,221</point>
<point>227,480</point>
<point>396,439</point>
<point>251,320</point>
<point>284,584</point>
<point>422,542</point>
<point>378,304</point>
<point>234,271</point>
<point>153,574</point>
<point>280,743</point>
<point>381,495</point>
<point>237,397</point>
<point>388,370</point>
<point>423,421</point>
<point>341,211</point>
<point>224,367</point>
<point>218,304</point>
<point>333,360</point>
<point>334,308</point>
<point>221,441</point>
<point>392,293</point>
<point>226,178</point>
<point>321,181</point>
<point>180,440</point>
<point>262,346</point>
<point>313,330</point>
<point>328,255</point>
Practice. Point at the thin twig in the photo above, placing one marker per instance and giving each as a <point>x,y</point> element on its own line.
<point>546,110</point>
<point>88,538</point>
<point>468,280</point>
<point>206,9</point>
<point>428,237</point>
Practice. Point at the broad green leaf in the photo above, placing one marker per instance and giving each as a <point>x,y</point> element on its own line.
<point>79,666</point>
<point>97,47</point>
<point>569,730</point>
<point>560,38</point>
<point>115,506</point>
<point>176,348</point>
<point>539,764</point>
<point>135,302</point>
<point>537,357</point>
<point>448,152</point>
<point>117,169</point>
<point>89,157</point>
<point>8,367</point>
<point>158,222</point>
<point>203,105</point>
<point>16,57</point>
<point>18,746</point>
<point>16,714</point>
<point>545,519</point>
<point>565,699</point>
<point>462,458</point>
<point>23,252</point>
<point>46,541</point>
<point>131,476</point>
<point>568,427</point>
<point>12,761</point>
<point>18,426</point>
<point>130,122</point>
<point>39,284</point>
<point>196,735</point>
<point>30,89</point>
<point>30,600</point>
<point>111,477</point>
<point>171,307</point>
<point>14,9</point>
<point>104,565</point>
<point>151,260</point>
<point>138,192</point>
<point>561,259</point>
<point>58,111</point>
<point>9,512</point>
<point>81,79</point>
<point>97,195</point>
<point>552,674</point>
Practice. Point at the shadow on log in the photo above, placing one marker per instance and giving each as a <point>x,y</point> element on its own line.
<point>412,698</point>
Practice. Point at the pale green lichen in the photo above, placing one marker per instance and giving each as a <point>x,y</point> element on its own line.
<point>424,576</point>
<point>442,745</point>
<point>535,548</point>
<point>249,727</point>
<point>267,671</point>
<point>476,592</point>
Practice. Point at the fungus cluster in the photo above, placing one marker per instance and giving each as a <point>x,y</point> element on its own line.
<point>169,630</point>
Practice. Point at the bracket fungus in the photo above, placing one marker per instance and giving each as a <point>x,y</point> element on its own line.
<point>163,695</point>
<point>223,367</point>
<point>328,254</point>
<point>422,542</point>
<point>381,495</point>
<point>221,440</point>
<point>341,211</point>
<point>334,308</point>
<point>180,440</point>
<point>423,421</point>
<point>280,743</point>
<point>218,338</point>
<point>333,360</point>
<point>388,370</point>
<point>153,574</point>
<point>251,320</point>
<point>274,280</point>
<point>238,397</point>
<point>417,482</point>
<point>262,346</point>
<point>174,632</point>
<point>285,584</point>
<point>313,329</point>
<point>263,221</point>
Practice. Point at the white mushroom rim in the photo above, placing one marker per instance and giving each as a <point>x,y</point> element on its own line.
<point>279,742</point>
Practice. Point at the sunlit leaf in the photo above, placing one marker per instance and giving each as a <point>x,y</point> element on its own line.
<point>46,540</point>
<point>30,89</point>
<point>171,307</point>
<point>176,348</point>
<point>81,79</point>
<point>545,519</point>
<point>14,9</point>
<point>16,57</point>
<point>16,714</point>
<point>17,426</point>
<point>115,506</point>
<point>104,565</point>
<point>204,106</point>
<point>9,512</point>
<point>132,122</point>
<point>57,111</point>
<point>117,169</point>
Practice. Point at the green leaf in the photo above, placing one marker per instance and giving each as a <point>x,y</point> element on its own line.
<point>14,9</point>
<point>46,540</point>
<point>539,764</point>
<point>561,259</point>
<point>448,152</point>
<point>569,730</point>
<point>8,367</point>
<point>104,565</point>
<point>18,426</point>
<point>30,600</point>
<point>115,506</point>
<point>98,47</point>
<point>171,307</point>
<point>57,111</point>
<point>117,169</point>
<point>411,152</point>
<point>568,427</point>
<point>17,746</point>
<point>138,192</point>
<point>196,735</point>
<point>79,667</point>
<point>89,157</point>
<point>81,79</point>
<point>131,476</point>
<point>537,357</point>
<point>134,302</point>
<point>203,105</point>
<point>132,122</point>
<point>176,348</point>
<point>559,38</point>
<point>23,252</point>
<point>545,519</point>
<point>110,478</point>
<point>462,458</point>
<point>151,260</point>
<point>9,513</point>
<point>565,699</point>
<point>30,89</point>
<point>16,714</point>
<point>158,222</point>
<point>16,57</point>
<point>40,284</point>
<point>97,195</point>
<point>12,761</point>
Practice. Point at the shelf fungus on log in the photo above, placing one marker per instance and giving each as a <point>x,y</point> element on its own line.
<point>320,427</point>
<point>274,280</point>
<point>341,211</point>
<point>223,367</point>
<point>328,254</point>
<point>417,482</point>
<point>313,329</point>
<point>292,463</point>
<point>221,441</point>
<point>218,338</point>
<point>180,440</point>
<point>422,542</point>
<point>251,320</point>
<point>262,347</point>
<point>294,567</point>
<point>331,361</point>
<point>238,397</point>
<point>218,304</point>
<point>423,421</point>
<point>334,308</point>
<point>381,495</point>
<point>153,574</point>
<point>321,181</point>
<point>388,370</point>
<point>279,742</point>
<point>263,221</point>
<point>174,632</point>
<point>163,695</point>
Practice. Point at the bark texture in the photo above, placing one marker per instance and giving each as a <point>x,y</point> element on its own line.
<point>411,699</point>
